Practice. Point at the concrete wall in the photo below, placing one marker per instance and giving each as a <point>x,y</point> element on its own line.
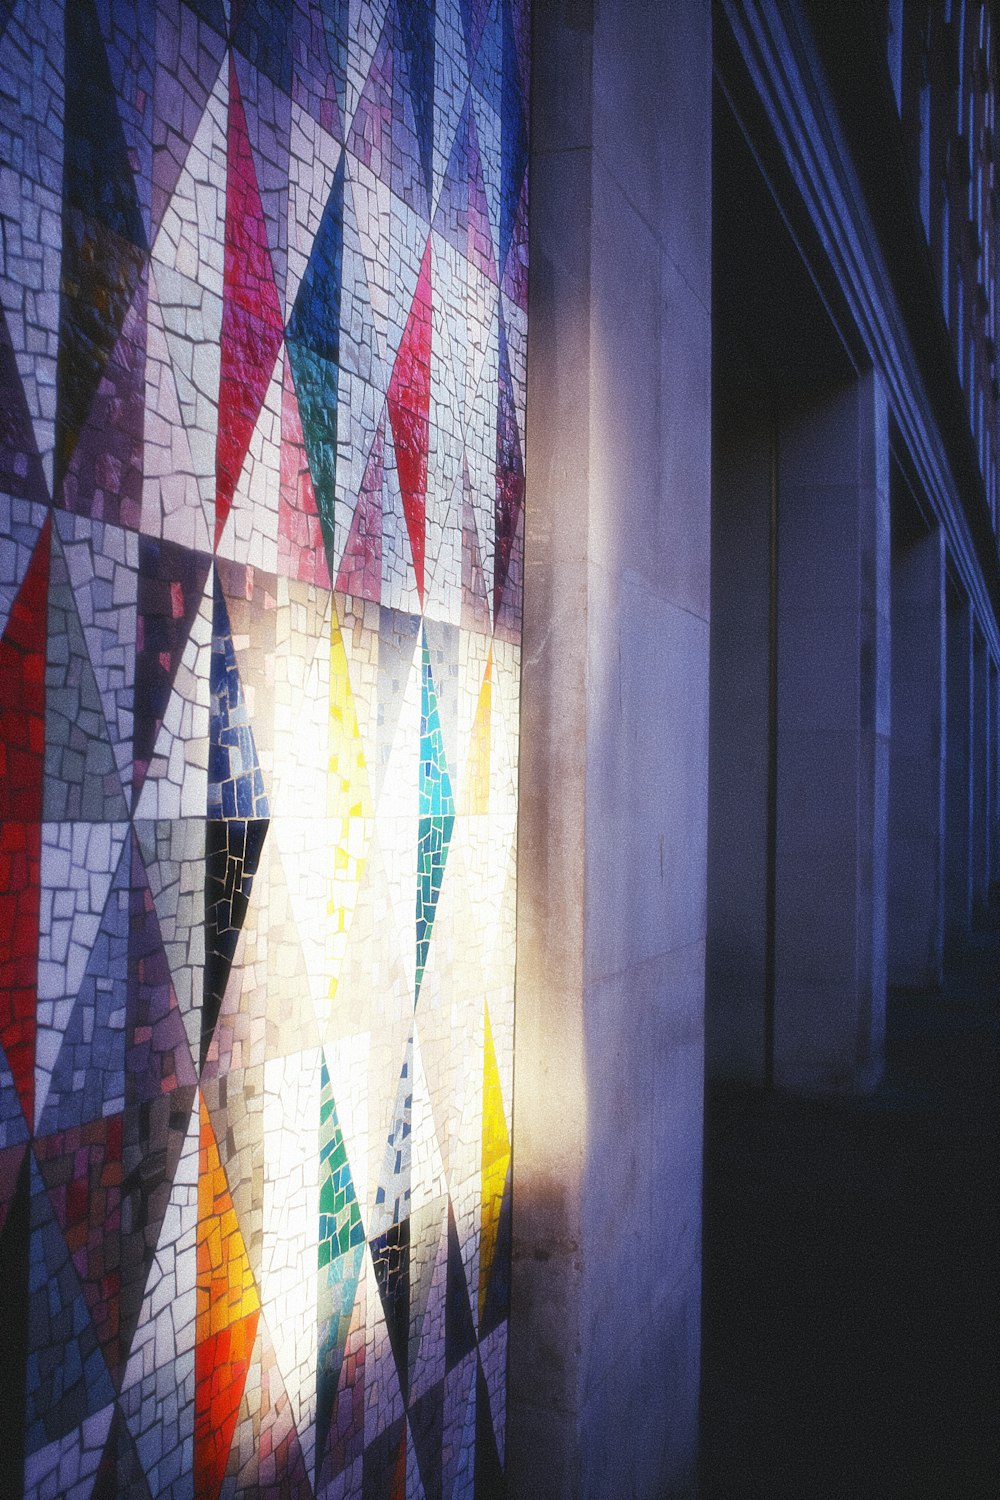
<point>917,773</point>
<point>603,1391</point>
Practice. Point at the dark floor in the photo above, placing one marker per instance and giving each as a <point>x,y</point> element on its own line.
<point>852,1270</point>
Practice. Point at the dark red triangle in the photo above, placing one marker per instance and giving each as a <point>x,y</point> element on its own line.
<point>22,760</point>
<point>251,311</point>
<point>409,411</point>
<point>82,1169</point>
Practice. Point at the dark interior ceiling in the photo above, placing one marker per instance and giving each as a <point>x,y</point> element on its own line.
<point>770,322</point>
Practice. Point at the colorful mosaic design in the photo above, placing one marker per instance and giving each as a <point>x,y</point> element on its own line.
<point>262,387</point>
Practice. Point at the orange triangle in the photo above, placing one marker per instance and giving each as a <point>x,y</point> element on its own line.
<point>228,1308</point>
<point>226,1288</point>
<point>220,1371</point>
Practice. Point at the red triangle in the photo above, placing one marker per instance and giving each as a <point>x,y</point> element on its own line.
<point>221,1365</point>
<point>409,401</point>
<point>361,569</point>
<point>301,553</point>
<point>10,1170</point>
<point>22,760</point>
<point>251,310</point>
<point>398,1491</point>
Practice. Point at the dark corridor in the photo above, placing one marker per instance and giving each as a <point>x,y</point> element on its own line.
<point>851,1340</point>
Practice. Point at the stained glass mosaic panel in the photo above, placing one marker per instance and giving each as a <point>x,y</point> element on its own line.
<point>262,387</point>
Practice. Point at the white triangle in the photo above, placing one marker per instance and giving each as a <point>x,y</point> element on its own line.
<point>313,161</point>
<point>488,131</point>
<point>178,496</point>
<point>366,20</point>
<point>176,784</point>
<point>289,1275</point>
<point>162,1354</point>
<point>250,534</point>
<point>189,266</point>
<point>399,580</point>
<point>32,67</point>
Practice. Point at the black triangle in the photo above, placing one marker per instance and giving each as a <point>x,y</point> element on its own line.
<point>232,854</point>
<point>497,1305</point>
<point>21,472</point>
<point>489,1483</point>
<point>391,1259</point>
<point>15,1255</point>
<point>459,1334</point>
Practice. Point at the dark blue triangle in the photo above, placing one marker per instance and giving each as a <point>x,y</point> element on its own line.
<point>513,135</point>
<point>415,34</point>
<point>130,39</point>
<point>97,172</point>
<point>451,219</point>
<point>235,781</point>
<point>315,318</point>
<point>262,32</point>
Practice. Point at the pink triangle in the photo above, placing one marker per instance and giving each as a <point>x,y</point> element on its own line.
<point>251,313</point>
<point>301,553</point>
<point>361,569</point>
<point>409,402</point>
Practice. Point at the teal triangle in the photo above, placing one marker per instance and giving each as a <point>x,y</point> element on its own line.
<point>436,799</point>
<point>432,854</point>
<point>340,1227</point>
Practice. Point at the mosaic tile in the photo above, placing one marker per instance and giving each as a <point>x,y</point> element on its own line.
<point>262,388</point>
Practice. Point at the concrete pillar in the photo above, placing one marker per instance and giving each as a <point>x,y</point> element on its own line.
<point>980,775</point>
<point>958,789</point>
<point>917,765</point>
<point>604,1338</point>
<point>833,741</point>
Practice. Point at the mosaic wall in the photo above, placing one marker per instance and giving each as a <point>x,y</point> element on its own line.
<point>262,365</point>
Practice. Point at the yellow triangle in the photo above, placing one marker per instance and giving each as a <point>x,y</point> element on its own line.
<point>226,1288</point>
<point>496,1160</point>
<point>349,794</point>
